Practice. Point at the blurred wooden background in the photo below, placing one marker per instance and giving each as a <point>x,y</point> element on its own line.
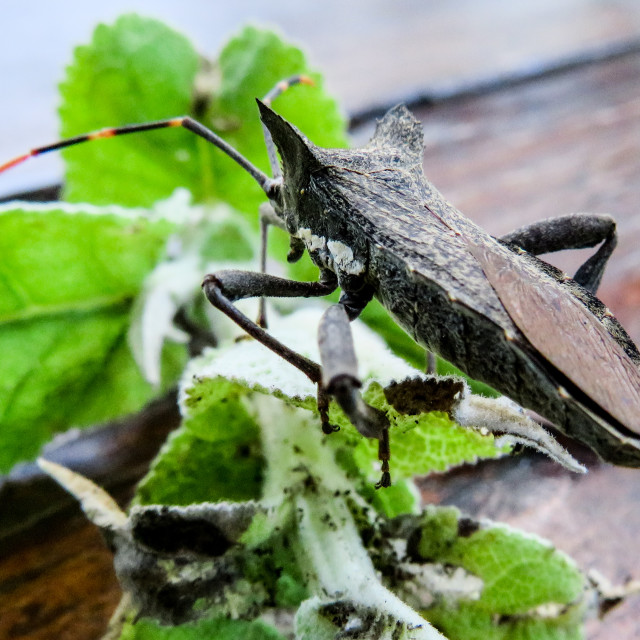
<point>508,140</point>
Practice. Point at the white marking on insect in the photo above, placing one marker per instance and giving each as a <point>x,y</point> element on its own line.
<point>312,241</point>
<point>343,257</point>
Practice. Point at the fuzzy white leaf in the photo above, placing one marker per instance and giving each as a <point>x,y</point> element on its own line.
<point>175,282</point>
<point>256,366</point>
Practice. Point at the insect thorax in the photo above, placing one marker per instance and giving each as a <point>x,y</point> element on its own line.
<point>321,220</point>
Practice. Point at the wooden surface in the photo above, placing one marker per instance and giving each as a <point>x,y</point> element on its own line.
<point>56,573</point>
<point>562,143</point>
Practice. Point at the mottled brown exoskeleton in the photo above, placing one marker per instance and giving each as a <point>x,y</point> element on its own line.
<point>375,227</point>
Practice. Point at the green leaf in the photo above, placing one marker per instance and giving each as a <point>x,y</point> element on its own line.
<point>217,402</point>
<point>58,258</point>
<point>530,590</point>
<point>68,276</point>
<point>250,65</point>
<point>401,497</point>
<point>134,71</point>
<point>207,239</point>
<point>216,465</point>
<point>229,398</point>
<point>519,571</point>
<point>468,622</point>
<point>421,443</point>
<point>219,628</point>
<point>139,70</point>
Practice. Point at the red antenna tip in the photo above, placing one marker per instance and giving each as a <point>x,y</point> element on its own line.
<point>14,162</point>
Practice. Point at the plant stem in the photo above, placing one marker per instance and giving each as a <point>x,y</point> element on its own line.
<point>338,569</point>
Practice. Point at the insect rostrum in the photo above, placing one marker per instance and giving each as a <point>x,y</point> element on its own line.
<point>376,227</point>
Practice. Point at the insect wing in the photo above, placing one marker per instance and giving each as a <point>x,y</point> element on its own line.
<point>565,332</point>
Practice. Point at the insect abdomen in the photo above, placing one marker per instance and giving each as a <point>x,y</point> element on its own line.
<point>497,356</point>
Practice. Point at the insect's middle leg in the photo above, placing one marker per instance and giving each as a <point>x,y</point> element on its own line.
<point>340,379</point>
<point>268,218</point>
<point>575,231</point>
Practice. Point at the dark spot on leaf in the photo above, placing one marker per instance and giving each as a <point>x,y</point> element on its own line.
<point>337,612</point>
<point>310,483</point>
<point>413,545</point>
<point>166,532</point>
<point>467,527</point>
<point>243,451</point>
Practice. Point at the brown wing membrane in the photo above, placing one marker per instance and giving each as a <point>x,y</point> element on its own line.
<point>563,330</point>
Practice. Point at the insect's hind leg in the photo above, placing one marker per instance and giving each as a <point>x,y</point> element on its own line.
<point>574,231</point>
<point>340,379</point>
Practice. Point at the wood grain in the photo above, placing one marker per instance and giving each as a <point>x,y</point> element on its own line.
<point>56,572</point>
<point>59,584</point>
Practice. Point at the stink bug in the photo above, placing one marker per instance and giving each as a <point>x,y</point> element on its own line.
<point>375,227</point>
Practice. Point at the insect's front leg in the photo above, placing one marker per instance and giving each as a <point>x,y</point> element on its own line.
<point>268,217</point>
<point>336,345</point>
<point>225,287</point>
<point>574,231</point>
<point>340,379</point>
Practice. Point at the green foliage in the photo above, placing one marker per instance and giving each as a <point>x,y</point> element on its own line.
<point>470,622</point>
<point>223,400</point>
<point>421,444</point>
<point>91,257</point>
<point>214,456</point>
<point>219,628</point>
<point>250,65</point>
<point>521,576</point>
<point>133,71</point>
<point>139,70</point>
<point>69,276</point>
